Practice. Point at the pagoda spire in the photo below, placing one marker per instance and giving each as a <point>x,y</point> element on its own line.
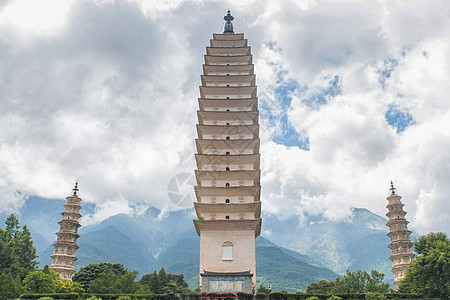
<point>400,245</point>
<point>392,189</point>
<point>75,189</point>
<point>228,24</point>
<point>63,257</point>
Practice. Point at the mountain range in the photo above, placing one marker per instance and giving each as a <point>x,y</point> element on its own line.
<point>288,255</point>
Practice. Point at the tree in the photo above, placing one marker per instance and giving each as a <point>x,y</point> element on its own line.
<point>429,274</point>
<point>105,283</point>
<point>262,290</point>
<point>360,282</point>
<point>17,253</point>
<point>67,286</point>
<point>321,287</point>
<point>164,283</point>
<point>10,287</point>
<point>91,272</point>
<point>39,282</point>
<point>151,280</point>
<point>108,282</point>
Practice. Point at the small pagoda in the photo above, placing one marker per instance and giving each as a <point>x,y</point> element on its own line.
<point>63,257</point>
<point>400,245</point>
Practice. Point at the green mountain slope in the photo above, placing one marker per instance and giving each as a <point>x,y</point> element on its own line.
<point>358,242</point>
<point>295,255</point>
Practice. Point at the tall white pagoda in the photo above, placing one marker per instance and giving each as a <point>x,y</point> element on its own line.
<point>63,257</point>
<point>228,187</point>
<point>400,245</point>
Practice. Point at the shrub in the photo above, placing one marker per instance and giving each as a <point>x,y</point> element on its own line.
<point>124,298</point>
<point>334,298</point>
<point>375,296</point>
<point>312,298</point>
<point>278,295</point>
<point>260,296</point>
<point>245,296</point>
<point>50,296</point>
<point>46,298</point>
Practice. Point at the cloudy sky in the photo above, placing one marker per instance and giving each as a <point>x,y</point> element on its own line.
<point>352,94</point>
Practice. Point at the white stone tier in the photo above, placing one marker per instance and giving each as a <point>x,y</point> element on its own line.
<point>232,80</point>
<point>224,70</point>
<point>234,147</point>
<point>64,255</point>
<point>62,268</point>
<point>250,104</point>
<point>234,178</point>
<point>227,36</point>
<point>207,161</point>
<point>253,208</point>
<point>232,92</point>
<point>234,132</point>
<point>67,243</point>
<point>229,43</point>
<point>64,232</point>
<point>71,221</point>
<point>230,225</point>
<point>203,192</point>
<point>224,117</point>
<point>397,221</point>
<point>228,60</point>
<point>221,51</point>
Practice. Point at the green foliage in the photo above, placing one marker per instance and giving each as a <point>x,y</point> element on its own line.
<point>312,298</point>
<point>17,253</point>
<point>67,286</point>
<point>375,296</point>
<point>360,282</point>
<point>278,295</point>
<point>262,290</point>
<point>91,272</point>
<point>164,283</point>
<point>321,287</point>
<point>124,298</point>
<point>109,282</point>
<point>39,282</point>
<point>244,296</point>
<point>429,273</point>
<point>10,287</point>
<point>46,298</point>
<point>334,298</point>
<point>50,295</point>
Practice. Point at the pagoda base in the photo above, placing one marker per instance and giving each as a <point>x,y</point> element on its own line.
<point>226,282</point>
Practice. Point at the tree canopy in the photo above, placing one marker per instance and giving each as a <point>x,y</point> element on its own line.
<point>351,282</point>
<point>360,282</point>
<point>91,272</point>
<point>321,287</point>
<point>164,283</point>
<point>429,274</point>
<point>17,253</point>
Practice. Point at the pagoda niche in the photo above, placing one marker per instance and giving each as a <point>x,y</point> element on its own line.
<point>63,257</point>
<point>400,245</point>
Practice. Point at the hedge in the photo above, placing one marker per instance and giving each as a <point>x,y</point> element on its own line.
<point>133,296</point>
<point>51,295</point>
<point>198,296</point>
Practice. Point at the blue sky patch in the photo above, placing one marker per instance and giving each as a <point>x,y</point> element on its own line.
<point>277,117</point>
<point>333,89</point>
<point>399,119</point>
<point>384,73</point>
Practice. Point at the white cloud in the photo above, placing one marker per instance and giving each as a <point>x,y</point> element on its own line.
<point>105,92</point>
